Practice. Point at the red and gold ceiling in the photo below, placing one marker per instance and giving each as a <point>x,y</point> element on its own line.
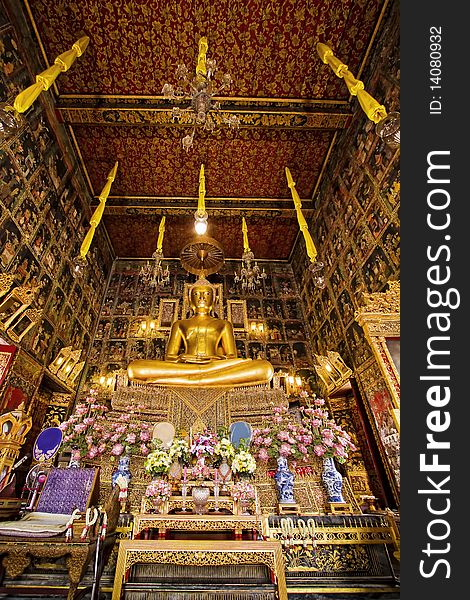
<point>290,105</point>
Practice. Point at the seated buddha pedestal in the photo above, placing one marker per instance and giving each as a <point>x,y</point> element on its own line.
<point>201,352</point>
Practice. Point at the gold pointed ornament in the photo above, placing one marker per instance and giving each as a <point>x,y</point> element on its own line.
<point>10,116</point>
<point>387,125</point>
<point>80,262</point>
<point>316,266</point>
<point>155,273</point>
<point>250,277</point>
<point>200,216</point>
<point>200,92</point>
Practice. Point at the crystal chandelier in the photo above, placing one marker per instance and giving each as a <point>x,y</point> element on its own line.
<point>155,273</point>
<point>250,278</point>
<point>200,91</point>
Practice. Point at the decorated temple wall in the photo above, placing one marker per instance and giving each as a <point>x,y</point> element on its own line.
<point>357,231</point>
<point>129,302</point>
<point>44,216</point>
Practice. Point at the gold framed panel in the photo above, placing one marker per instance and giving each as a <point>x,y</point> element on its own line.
<point>10,309</point>
<point>26,321</point>
<point>380,320</point>
<point>218,303</point>
<point>237,314</point>
<point>167,313</point>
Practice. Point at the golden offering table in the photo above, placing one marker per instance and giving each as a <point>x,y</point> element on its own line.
<point>199,523</point>
<point>222,502</point>
<point>199,553</point>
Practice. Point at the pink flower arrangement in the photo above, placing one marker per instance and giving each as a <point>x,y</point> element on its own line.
<point>242,490</point>
<point>159,490</point>
<point>85,427</point>
<point>129,434</point>
<point>283,436</point>
<point>204,444</point>
<point>200,470</point>
<point>329,440</point>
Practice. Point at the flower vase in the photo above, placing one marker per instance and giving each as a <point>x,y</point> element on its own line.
<point>158,505</point>
<point>244,506</point>
<point>284,479</point>
<point>332,480</point>
<point>225,473</point>
<point>121,477</point>
<point>75,457</point>
<point>200,494</point>
<point>176,470</point>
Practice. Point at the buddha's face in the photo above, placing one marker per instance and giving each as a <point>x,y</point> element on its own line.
<point>202,299</point>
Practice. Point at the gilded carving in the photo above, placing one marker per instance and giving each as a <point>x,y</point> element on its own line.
<point>381,303</point>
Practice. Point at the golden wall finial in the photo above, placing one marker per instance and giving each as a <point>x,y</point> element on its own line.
<point>374,111</point>
<point>46,78</point>
<point>311,250</point>
<point>246,245</point>
<point>97,215</point>
<point>161,233</point>
<point>201,69</point>
<point>201,207</point>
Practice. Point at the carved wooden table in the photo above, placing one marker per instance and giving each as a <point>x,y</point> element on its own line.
<point>17,556</point>
<point>199,553</point>
<point>221,522</point>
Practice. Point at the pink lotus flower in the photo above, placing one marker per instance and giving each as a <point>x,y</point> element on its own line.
<point>144,449</point>
<point>80,428</point>
<point>92,452</point>
<point>262,454</point>
<point>130,438</point>
<point>63,426</point>
<point>319,450</point>
<point>144,436</point>
<point>117,449</point>
<point>285,450</point>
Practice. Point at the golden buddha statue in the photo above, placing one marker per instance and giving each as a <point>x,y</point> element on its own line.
<point>209,357</point>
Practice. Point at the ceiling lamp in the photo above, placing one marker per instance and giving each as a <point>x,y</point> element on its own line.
<point>200,216</point>
<point>250,278</point>
<point>155,274</point>
<point>79,263</point>
<point>10,116</point>
<point>200,91</point>
<point>316,266</point>
<point>387,126</point>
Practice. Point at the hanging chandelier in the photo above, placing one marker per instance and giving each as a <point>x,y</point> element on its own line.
<point>250,277</point>
<point>200,91</point>
<point>155,273</point>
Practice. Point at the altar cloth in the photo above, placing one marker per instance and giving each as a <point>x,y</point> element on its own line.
<point>36,525</point>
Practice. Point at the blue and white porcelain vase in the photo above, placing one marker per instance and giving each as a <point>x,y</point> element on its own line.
<point>284,479</point>
<point>333,480</point>
<point>122,469</point>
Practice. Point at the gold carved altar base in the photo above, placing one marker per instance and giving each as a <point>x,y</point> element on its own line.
<point>198,407</point>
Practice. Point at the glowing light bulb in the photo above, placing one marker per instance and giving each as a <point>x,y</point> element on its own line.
<point>200,227</point>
